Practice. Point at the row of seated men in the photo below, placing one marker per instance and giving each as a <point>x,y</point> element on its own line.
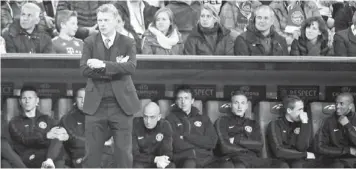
<point>187,137</point>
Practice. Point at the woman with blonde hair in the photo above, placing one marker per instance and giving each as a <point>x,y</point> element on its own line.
<point>209,37</point>
<point>162,36</point>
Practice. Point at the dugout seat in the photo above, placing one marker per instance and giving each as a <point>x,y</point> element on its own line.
<point>45,106</point>
<point>267,112</point>
<point>144,102</point>
<point>319,112</point>
<point>64,105</point>
<point>12,108</point>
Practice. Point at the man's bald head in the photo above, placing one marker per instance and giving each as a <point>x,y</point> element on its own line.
<point>151,115</point>
<point>344,103</point>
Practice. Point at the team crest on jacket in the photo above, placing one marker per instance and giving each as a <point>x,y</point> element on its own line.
<point>159,137</point>
<point>197,123</point>
<point>297,130</point>
<point>248,129</point>
<point>32,157</point>
<point>42,125</point>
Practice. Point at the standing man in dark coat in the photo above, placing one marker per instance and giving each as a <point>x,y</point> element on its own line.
<point>108,61</point>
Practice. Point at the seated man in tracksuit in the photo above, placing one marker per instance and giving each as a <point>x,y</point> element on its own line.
<point>35,138</point>
<point>289,136</point>
<point>240,137</point>
<point>152,140</point>
<point>194,136</point>
<point>74,123</point>
<point>336,140</point>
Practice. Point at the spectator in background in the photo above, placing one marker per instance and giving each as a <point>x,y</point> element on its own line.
<point>342,14</point>
<point>152,140</point>
<point>313,40</point>
<point>289,137</point>
<point>209,37</point>
<point>236,15</point>
<point>67,25</point>
<point>261,39</point>
<point>139,13</point>
<point>86,11</point>
<point>215,3</point>
<point>35,137</point>
<point>345,40</point>
<point>74,123</point>
<point>336,140</point>
<point>125,28</point>
<point>11,11</point>
<point>25,36</point>
<point>290,15</point>
<point>325,10</point>
<point>186,13</point>
<point>162,36</point>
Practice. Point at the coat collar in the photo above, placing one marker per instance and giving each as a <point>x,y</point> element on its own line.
<point>351,36</point>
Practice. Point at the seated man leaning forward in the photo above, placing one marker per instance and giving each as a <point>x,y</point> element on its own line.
<point>152,140</point>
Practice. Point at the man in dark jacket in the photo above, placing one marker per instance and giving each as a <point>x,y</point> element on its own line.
<point>24,35</point>
<point>34,136</point>
<point>194,136</point>
<point>152,140</point>
<point>74,123</point>
<point>260,38</point>
<point>336,141</point>
<point>240,137</point>
<point>289,136</point>
<point>345,40</point>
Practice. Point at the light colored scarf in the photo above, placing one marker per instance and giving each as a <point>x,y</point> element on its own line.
<point>163,40</point>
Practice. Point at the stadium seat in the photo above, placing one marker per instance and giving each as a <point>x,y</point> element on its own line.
<point>12,108</point>
<point>165,106</point>
<point>267,112</point>
<point>144,102</point>
<point>319,112</point>
<point>213,109</point>
<point>63,107</point>
<point>45,106</point>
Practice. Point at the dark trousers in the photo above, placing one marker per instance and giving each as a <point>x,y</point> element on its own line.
<point>248,161</point>
<point>138,164</point>
<point>302,163</point>
<point>212,163</point>
<point>337,162</point>
<point>109,115</point>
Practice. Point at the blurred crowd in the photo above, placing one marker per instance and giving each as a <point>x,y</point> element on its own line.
<point>186,27</point>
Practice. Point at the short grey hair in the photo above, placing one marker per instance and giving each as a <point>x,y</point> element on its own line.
<point>33,8</point>
<point>265,7</point>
